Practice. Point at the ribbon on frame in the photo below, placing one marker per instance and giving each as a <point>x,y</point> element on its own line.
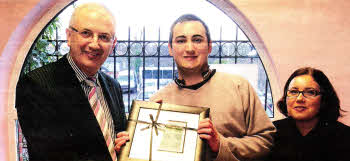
<point>154,124</point>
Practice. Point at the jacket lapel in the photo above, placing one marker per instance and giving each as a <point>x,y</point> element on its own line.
<point>109,96</point>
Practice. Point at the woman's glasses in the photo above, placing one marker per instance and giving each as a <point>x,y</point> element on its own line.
<point>308,93</point>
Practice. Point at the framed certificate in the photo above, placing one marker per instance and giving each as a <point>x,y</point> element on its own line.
<point>163,132</point>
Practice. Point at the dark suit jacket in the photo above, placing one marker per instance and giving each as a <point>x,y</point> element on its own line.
<point>327,141</point>
<point>56,117</point>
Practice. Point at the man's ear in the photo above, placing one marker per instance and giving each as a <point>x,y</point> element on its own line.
<point>170,49</point>
<point>68,34</point>
<point>114,42</point>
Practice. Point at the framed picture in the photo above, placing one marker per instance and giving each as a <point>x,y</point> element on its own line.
<point>163,132</point>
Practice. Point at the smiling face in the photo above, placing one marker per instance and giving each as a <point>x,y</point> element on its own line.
<point>89,52</point>
<point>301,108</point>
<point>190,47</point>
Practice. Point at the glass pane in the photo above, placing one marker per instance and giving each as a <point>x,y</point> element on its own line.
<point>149,78</point>
<point>214,49</point>
<point>50,48</point>
<point>228,61</point>
<point>136,49</point>
<point>121,48</point>
<point>228,49</point>
<point>166,71</point>
<point>151,49</point>
<point>63,48</point>
<point>243,49</point>
<point>108,67</point>
<point>164,51</point>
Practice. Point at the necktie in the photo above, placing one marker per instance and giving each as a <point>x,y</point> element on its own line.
<point>102,117</point>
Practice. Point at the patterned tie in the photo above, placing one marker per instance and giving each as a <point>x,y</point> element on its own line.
<point>101,116</point>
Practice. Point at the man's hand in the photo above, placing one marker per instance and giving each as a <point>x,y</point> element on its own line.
<point>207,131</point>
<point>122,138</point>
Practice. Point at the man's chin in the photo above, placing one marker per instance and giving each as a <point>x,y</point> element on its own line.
<point>90,68</point>
<point>191,69</point>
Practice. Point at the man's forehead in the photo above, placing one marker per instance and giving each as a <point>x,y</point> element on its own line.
<point>189,28</point>
<point>94,20</point>
<point>92,11</point>
<point>94,15</point>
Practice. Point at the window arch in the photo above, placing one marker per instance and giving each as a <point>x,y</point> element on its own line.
<point>231,51</point>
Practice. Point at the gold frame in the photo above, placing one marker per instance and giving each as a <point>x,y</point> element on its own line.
<point>203,113</point>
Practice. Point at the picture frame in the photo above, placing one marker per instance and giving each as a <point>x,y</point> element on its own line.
<point>163,132</point>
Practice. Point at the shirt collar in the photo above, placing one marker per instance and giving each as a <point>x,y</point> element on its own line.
<point>206,76</point>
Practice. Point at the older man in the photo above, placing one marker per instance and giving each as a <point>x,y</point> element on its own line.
<point>69,110</point>
<point>238,128</point>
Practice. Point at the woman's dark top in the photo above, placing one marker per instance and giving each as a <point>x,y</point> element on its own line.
<point>328,141</point>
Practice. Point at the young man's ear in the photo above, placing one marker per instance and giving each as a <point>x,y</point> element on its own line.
<point>209,47</point>
<point>170,49</point>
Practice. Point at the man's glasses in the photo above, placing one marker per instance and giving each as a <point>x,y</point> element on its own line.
<point>308,93</point>
<point>87,34</point>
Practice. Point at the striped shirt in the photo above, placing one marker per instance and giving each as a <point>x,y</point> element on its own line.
<point>82,77</point>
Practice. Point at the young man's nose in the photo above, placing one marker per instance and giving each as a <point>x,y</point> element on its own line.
<point>189,47</point>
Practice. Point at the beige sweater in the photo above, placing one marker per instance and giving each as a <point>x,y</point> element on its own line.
<point>236,112</point>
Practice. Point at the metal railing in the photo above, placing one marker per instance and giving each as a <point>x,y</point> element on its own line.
<point>137,55</point>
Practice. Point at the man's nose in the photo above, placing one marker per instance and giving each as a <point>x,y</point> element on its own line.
<point>94,42</point>
<point>189,47</point>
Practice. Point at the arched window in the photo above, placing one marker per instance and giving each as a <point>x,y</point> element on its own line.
<point>141,62</point>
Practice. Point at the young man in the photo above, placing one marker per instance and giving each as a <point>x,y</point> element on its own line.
<point>69,110</point>
<point>238,128</point>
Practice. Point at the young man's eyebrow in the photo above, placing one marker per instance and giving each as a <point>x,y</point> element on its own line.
<point>198,36</point>
<point>181,36</point>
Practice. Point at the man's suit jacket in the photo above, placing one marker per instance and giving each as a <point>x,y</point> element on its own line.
<point>56,117</point>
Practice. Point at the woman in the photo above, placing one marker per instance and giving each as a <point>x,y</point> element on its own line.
<point>311,131</point>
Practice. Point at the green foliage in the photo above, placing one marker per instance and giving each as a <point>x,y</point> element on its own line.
<point>39,55</point>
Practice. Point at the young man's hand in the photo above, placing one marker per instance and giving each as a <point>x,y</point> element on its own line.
<point>207,131</point>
